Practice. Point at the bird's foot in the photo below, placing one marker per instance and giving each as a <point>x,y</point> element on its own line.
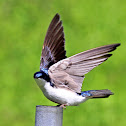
<point>63,106</point>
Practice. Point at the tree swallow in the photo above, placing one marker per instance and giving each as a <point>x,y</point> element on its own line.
<point>60,78</point>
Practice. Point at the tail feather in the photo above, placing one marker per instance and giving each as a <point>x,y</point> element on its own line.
<point>97,93</point>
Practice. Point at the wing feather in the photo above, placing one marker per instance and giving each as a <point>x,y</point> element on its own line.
<point>72,70</point>
<point>53,48</point>
<point>94,53</point>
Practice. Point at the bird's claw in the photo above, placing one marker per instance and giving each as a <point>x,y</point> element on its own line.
<point>63,106</point>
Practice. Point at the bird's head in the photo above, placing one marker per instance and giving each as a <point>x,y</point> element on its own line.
<point>41,75</point>
<point>41,78</point>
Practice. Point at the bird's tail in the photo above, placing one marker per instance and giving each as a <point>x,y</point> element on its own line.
<point>97,93</point>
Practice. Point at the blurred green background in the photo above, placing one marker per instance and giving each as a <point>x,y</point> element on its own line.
<point>87,24</point>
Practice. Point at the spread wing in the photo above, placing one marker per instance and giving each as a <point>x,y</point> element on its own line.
<point>53,47</point>
<point>69,73</point>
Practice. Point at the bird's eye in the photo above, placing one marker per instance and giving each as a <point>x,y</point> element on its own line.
<point>38,75</point>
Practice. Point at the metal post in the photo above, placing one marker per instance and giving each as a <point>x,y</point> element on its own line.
<point>48,116</point>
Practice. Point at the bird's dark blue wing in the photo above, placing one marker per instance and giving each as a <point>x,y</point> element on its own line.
<point>53,47</point>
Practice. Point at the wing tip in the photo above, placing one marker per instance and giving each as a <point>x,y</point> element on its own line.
<point>57,15</point>
<point>109,55</point>
<point>114,46</point>
<point>118,44</point>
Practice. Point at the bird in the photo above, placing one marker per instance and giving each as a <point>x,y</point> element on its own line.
<point>60,78</point>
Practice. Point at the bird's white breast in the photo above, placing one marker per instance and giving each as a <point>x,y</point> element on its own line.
<point>60,95</point>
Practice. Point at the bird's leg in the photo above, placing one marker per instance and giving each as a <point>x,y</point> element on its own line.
<point>63,106</point>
